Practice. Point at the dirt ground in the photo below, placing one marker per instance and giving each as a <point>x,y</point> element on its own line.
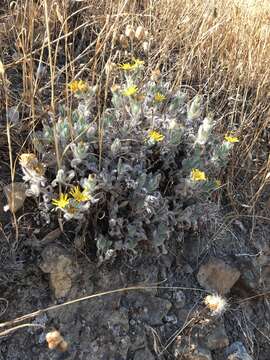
<point>137,324</point>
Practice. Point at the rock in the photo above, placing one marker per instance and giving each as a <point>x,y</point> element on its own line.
<point>59,265</point>
<point>15,194</point>
<point>118,323</point>
<point>105,348</point>
<point>143,354</point>
<point>179,299</point>
<point>250,274</point>
<point>187,348</point>
<point>217,338</point>
<point>147,308</point>
<point>183,315</point>
<point>237,351</point>
<point>217,276</point>
<point>155,310</point>
<point>171,319</point>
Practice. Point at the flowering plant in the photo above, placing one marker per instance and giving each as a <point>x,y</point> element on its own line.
<point>153,175</point>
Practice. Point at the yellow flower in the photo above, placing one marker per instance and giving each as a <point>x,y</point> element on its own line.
<point>131,66</point>
<point>231,139</point>
<point>198,175</point>
<point>127,66</point>
<point>79,195</point>
<point>155,136</point>
<point>138,62</point>
<point>78,86</point>
<point>130,91</point>
<point>217,183</point>
<point>62,202</point>
<point>159,97</point>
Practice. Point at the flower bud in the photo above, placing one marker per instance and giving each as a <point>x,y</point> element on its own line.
<point>129,32</point>
<point>123,40</point>
<point>140,33</point>
<point>146,46</point>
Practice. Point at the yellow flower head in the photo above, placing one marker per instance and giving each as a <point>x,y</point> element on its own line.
<point>138,62</point>
<point>130,91</point>
<point>198,175</point>
<point>78,86</point>
<point>62,202</point>
<point>126,66</point>
<point>131,66</point>
<point>79,195</point>
<point>159,97</point>
<point>155,136</point>
<point>217,183</point>
<point>231,139</point>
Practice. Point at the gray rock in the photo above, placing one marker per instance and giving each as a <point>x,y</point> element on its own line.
<point>143,354</point>
<point>217,338</point>
<point>171,319</point>
<point>183,315</point>
<point>118,323</point>
<point>217,276</point>
<point>237,351</point>
<point>179,299</point>
<point>155,310</point>
<point>147,308</point>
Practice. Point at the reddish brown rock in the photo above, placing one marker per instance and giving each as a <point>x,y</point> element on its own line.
<point>216,275</point>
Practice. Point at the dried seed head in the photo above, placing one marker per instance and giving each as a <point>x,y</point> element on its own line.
<point>216,304</point>
<point>63,346</point>
<point>54,338</point>
<point>115,88</point>
<point>123,40</point>
<point>2,69</point>
<point>129,32</point>
<point>140,33</point>
<point>110,67</point>
<point>56,341</point>
<point>146,46</point>
<point>155,75</point>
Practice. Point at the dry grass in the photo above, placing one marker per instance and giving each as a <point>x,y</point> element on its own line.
<point>221,49</point>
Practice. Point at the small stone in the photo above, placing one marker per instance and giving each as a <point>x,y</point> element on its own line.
<point>217,338</point>
<point>147,308</point>
<point>237,351</point>
<point>61,284</point>
<point>179,299</point>
<point>118,323</point>
<point>59,265</point>
<point>217,276</point>
<point>15,194</point>
<point>171,319</point>
<point>183,315</point>
<point>156,310</point>
<point>143,354</point>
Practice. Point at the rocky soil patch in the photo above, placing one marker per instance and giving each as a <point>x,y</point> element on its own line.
<point>171,321</point>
